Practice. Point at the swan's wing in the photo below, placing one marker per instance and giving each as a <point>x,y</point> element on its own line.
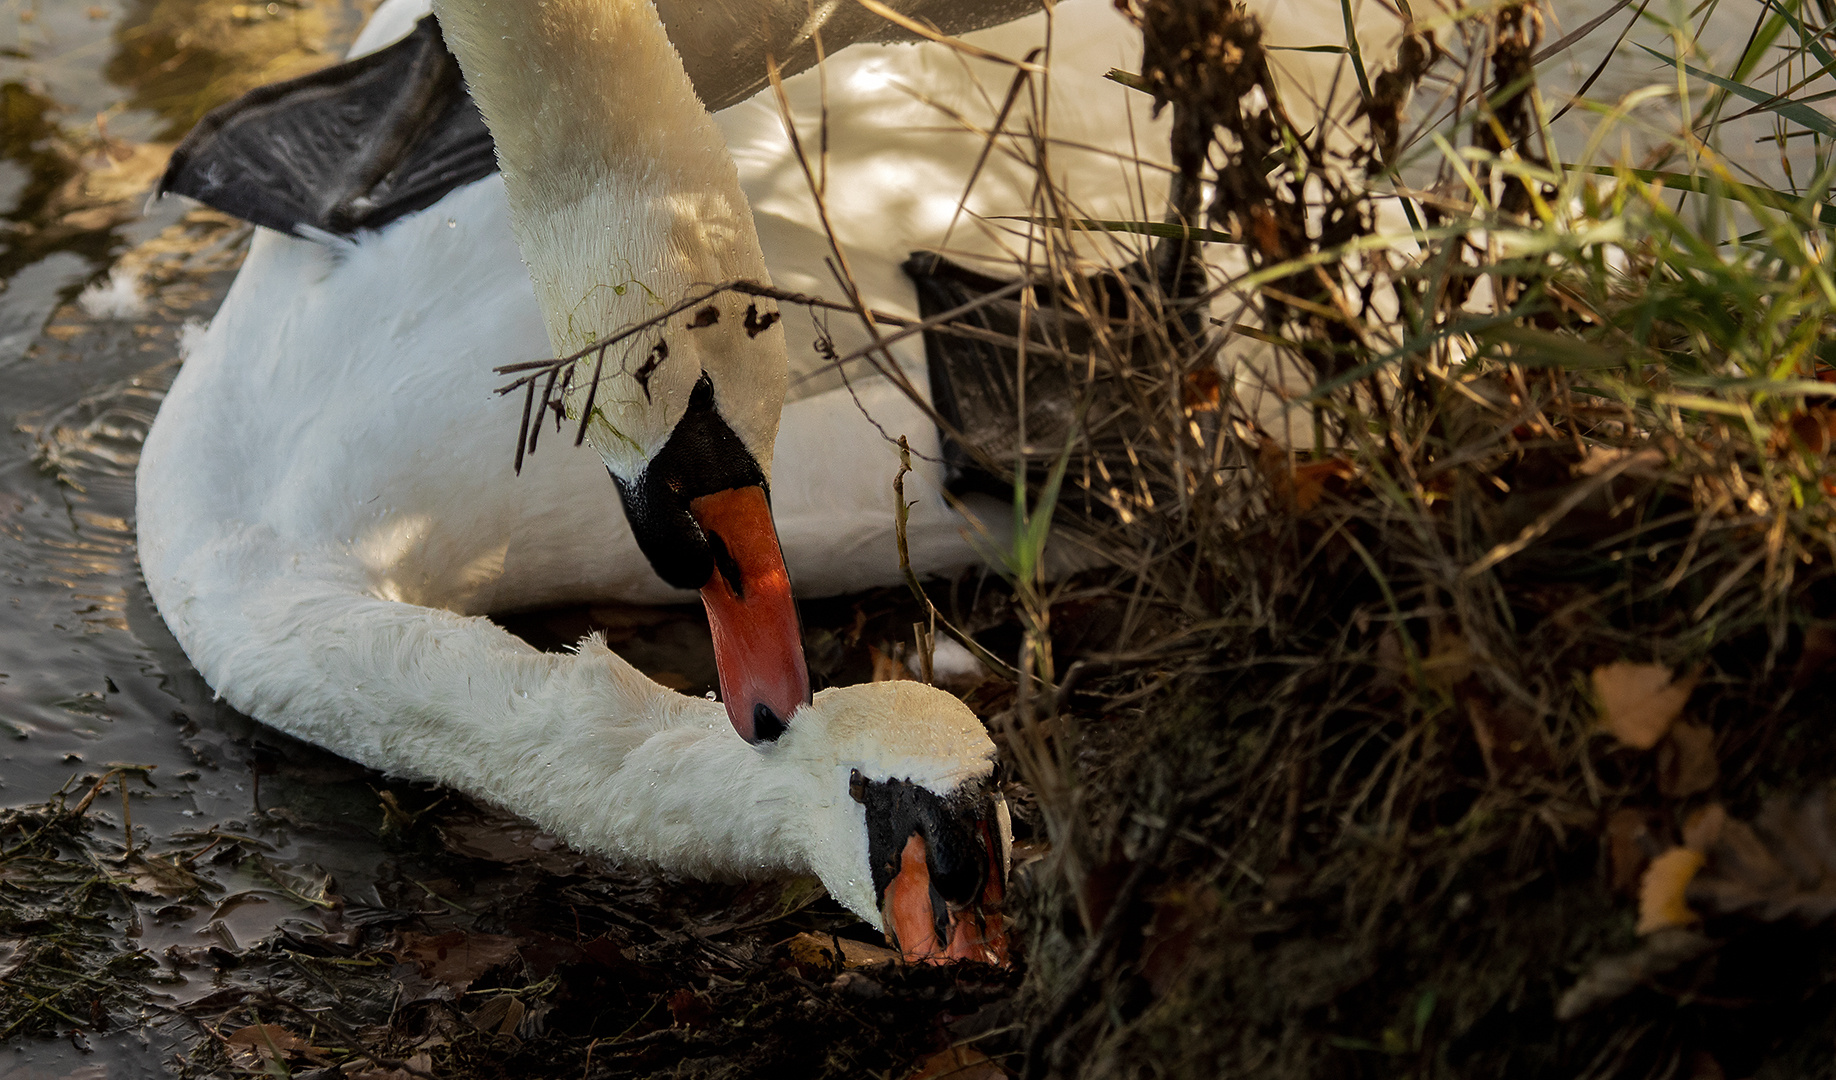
<point>975,369</point>
<point>354,146</point>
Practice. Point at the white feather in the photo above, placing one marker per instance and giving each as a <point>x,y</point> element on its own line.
<point>327,503</point>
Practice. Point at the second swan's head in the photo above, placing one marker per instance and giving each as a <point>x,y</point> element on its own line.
<point>908,829</point>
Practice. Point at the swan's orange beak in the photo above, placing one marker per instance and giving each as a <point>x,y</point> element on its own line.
<point>758,641</point>
<point>929,928</point>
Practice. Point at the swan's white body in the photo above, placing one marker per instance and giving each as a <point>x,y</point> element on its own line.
<point>327,504</point>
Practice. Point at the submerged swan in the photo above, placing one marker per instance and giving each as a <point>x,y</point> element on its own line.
<point>326,502</point>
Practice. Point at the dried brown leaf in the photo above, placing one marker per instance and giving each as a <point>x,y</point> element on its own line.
<point>1686,761</point>
<point>958,1063</point>
<point>887,667</point>
<point>421,1063</point>
<point>1660,896</point>
<point>1639,702</point>
<point>1810,431</point>
<point>1628,835</point>
<point>456,957</point>
<point>1703,1066</point>
<point>162,876</point>
<point>251,1044</point>
<point>497,837</point>
<point>499,1016</point>
<point>1449,659</point>
<point>815,953</point>
<point>1298,488</point>
<point>1172,935</point>
<point>1702,830</point>
<point>1511,740</point>
<point>687,1009</point>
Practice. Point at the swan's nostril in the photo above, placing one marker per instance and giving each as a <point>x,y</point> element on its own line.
<point>767,725</point>
<point>726,564</point>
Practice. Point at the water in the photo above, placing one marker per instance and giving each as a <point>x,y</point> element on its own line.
<point>93,96</point>
<point>96,295</point>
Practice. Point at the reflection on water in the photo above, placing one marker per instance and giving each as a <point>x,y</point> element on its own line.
<point>94,296</point>
<point>181,58</point>
<point>92,97</point>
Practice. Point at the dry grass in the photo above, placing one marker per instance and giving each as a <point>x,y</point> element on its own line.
<point>1331,795</point>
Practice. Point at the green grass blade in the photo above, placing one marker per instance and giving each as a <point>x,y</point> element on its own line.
<point>1795,111</point>
<point>1811,41</point>
<point>1128,79</point>
<point>1778,200</point>
<point>1352,50</point>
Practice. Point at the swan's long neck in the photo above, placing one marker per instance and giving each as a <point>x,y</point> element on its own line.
<point>583,744</point>
<point>622,197</point>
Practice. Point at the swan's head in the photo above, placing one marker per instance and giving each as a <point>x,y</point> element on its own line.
<point>909,830</point>
<point>625,203</point>
<point>699,507</point>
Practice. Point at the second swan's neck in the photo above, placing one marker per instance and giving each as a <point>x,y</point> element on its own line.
<point>582,743</point>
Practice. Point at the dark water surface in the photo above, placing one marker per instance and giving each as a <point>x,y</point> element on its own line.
<point>95,297</point>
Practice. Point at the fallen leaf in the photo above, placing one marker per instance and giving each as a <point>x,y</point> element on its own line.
<point>456,957</point>
<point>1298,488</point>
<point>256,1042</point>
<point>422,1063</point>
<point>162,876</point>
<point>1686,762</point>
<point>1660,897</point>
<point>1599,459</point>
<point>1314,480</point>
<point>1808,432</point>
<point>815,953</point>
<point>1702,831</point>
<point>498,837</point>
<point>1201,390</point>
<point>1639,702</point>
<point>1172,934</point>
<point>887,667</point>
<point>1703,1066</point>
<point>1449,659</point>
<point>499,1016</point>
<point>1511,741</point>
<point>689,1009</point>
<point>957,1063</point>
<point>1628,836</point>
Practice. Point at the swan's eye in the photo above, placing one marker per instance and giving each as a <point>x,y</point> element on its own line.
<point>857,786</point>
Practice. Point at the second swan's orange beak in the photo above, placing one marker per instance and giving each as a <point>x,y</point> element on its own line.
<point>758,640</point>
<point>927,927</point>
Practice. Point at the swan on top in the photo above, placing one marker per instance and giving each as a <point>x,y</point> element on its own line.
<point>326,504</point>
<point>621,195</point>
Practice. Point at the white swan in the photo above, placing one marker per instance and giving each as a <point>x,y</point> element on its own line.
<point>326,502</point>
